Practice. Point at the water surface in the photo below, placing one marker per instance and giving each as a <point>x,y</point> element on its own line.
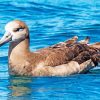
<point>51,21</point>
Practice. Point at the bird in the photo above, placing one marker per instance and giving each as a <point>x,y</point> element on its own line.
<point>86,41</point>
<point>62,59</point>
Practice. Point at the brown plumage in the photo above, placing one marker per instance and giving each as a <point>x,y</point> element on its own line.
<point>65,58</point>
<point>66,43</point>
<point>85,41</point>
<point>96,45</point>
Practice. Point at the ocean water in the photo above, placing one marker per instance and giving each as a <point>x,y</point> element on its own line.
<point>51,21</point>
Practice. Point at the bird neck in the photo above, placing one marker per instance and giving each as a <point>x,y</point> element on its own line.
<point>19,48</point>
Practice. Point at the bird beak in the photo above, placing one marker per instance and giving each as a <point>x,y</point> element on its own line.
<point>6,38</point>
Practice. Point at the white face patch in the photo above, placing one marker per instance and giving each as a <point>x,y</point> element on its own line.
<point>10,26</point>
<point>21,29</point>
<point>16,31</point>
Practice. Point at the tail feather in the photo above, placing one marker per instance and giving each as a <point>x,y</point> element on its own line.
<point>72,40</point>
<point>95,45</point>
<point>86,40</point>
<point>66,43</point>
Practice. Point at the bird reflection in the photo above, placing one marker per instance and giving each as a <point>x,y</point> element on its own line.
<point>19,86</point>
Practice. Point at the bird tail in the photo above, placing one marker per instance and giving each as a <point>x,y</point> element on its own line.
<point>95,45</point>
<point>86,40</point>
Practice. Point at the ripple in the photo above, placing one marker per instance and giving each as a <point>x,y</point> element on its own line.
<point>51,22</point>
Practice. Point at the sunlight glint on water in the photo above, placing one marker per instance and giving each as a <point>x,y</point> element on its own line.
<point>51,21</point>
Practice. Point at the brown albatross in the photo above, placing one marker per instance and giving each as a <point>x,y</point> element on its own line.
<point>64,58</point>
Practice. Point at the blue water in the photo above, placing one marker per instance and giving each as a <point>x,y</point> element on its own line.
<point>51,21</point>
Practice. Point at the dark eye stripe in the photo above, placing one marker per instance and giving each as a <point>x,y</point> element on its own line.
<point>17,29</point>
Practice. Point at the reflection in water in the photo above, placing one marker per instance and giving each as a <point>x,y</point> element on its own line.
<point>51,21</point>
<point>79,87</point>
<point>19,86</point>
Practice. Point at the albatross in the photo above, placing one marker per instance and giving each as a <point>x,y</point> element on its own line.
<point>62,59</point>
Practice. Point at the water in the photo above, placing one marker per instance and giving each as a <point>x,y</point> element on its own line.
<point>51,21</point>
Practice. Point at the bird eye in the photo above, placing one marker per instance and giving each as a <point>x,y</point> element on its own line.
<point>18,29</point>
<point>7,36</point>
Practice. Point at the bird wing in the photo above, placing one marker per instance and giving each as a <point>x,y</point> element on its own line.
<point>67,51</point>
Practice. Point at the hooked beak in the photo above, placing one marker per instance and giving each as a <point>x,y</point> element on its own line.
<point>6,38</point>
